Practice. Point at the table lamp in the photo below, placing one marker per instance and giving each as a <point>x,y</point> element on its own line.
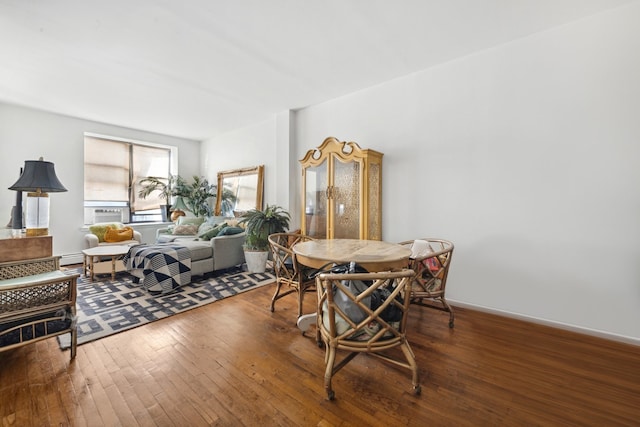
<point>38,178</point>
<point>178,208</point>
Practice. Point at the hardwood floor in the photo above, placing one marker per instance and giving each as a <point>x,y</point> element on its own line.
<point>234,363</point>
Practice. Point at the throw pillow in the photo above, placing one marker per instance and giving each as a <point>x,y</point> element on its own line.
<point>235,222</point>
<point>204,227</point>
<point>100,229</point>
<point>209,234</point>
<point>228,231</point>
<point>215,220</point>
<point>113,235</point>
<point>191,220</point>
<point>213,232</point>
<point>185,230</point>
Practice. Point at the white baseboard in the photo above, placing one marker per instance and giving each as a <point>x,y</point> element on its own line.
<point>559,325</point>
<point>69,259</point>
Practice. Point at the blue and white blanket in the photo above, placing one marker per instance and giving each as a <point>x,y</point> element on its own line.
<point>164,267</point>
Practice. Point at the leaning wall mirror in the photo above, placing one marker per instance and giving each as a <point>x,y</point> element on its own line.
<point>239,190</point>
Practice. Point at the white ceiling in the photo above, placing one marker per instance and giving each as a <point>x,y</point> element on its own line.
<point>199,68</point>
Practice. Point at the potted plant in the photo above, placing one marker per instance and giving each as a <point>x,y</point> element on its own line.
<point>259,225</point>
<point>196,195</point>
<point>165,186</point>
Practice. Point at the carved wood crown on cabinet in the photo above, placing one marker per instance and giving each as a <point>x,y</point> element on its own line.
<point>342,191</point>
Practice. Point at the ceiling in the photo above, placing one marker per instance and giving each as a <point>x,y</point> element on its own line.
<point>199,68</point>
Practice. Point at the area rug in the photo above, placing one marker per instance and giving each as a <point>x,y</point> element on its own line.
<point>110,306</point>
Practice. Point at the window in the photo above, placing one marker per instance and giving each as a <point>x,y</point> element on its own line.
<point>112,171</point>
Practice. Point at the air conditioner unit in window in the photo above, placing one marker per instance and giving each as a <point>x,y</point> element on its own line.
<point>106,215</point>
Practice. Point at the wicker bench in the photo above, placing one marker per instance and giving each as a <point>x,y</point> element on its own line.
<point>37,301</point>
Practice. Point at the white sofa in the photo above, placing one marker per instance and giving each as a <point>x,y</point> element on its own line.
<point>218,253</point>
<point>208,256</point>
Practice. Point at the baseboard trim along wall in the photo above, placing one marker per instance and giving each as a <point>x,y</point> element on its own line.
<point>566,327</point>
<point>69,259</point>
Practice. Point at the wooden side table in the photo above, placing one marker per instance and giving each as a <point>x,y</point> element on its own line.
<point>21,248</point>
<point>91,267</point>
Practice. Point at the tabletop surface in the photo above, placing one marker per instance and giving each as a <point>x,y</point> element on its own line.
<point>347,250</point>
<point>107,250</point>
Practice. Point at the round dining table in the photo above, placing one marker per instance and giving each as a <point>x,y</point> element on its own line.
<point>373,255</point>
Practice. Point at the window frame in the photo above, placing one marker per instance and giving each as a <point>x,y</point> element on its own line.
<point>131,217</point>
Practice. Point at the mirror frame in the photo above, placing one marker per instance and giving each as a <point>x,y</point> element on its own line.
<point>256,170</point>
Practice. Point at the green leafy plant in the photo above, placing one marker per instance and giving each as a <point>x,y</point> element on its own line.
<point>196,194</point>
<point>165,186</point>
<point>261,223</point>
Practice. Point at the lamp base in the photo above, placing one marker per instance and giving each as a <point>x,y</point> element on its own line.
<point>177,213</point>
<point>37,218</point>
<point>32,232</point>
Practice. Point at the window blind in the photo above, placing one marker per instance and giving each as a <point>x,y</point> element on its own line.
<point>113,169</point>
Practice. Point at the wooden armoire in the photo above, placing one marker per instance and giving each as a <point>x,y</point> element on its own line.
<point>342,192</point>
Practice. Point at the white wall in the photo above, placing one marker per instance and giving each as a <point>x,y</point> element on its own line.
<point>243,148</point>
<point>526,156</point>
<point>27,134</point>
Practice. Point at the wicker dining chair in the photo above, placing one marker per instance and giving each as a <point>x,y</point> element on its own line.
<point>370,333</point>
<point>431,271</point>
<point>289,273</point>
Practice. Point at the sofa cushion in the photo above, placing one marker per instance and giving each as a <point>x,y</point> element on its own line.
<point>114,235</point>
<point>199,249</point>
<point>168,238</point>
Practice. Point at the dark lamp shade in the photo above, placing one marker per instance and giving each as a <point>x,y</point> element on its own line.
<point>38,175</point>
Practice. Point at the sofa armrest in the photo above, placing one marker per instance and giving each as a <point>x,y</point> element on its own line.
<point>90,241</point>
<point>161,231</point>
<point>227,251</point>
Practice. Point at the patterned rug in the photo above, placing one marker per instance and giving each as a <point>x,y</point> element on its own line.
<point>107,307</point>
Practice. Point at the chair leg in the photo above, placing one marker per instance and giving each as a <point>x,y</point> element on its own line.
<point>437,302</point>
<point>411,359</point>
<point>318,339</point>
<point>330,358</point>
<point>275,295</point>
<point>74,343</point>
<point>448,308</point>
<point>300,300</point>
